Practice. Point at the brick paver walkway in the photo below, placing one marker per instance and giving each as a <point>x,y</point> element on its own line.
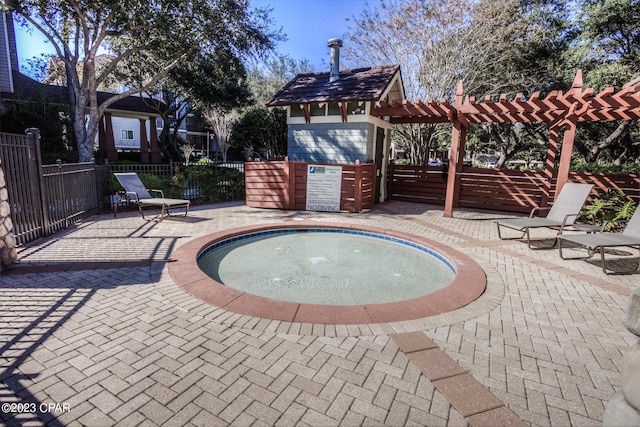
<point>93,331</point>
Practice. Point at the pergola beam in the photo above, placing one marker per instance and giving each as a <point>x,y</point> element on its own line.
<point>556,109</point>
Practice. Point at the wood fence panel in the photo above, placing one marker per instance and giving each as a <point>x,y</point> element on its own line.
<point>503,190</point>
<point>267,184</point>
<point>283,185</point>
<point>299,194</point>
<point>628,184</point>
<point>421,184</point>
<point>368,188</point>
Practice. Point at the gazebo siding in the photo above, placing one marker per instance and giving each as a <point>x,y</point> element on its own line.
<point>331,142</point>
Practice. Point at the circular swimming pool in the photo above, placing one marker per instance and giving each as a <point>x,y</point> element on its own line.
<point>311,272</point>
<point>326,266</point>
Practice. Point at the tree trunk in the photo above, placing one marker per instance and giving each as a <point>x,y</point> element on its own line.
<point>616,135</point>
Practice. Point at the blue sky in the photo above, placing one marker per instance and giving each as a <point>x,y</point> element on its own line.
<point>308,24</point>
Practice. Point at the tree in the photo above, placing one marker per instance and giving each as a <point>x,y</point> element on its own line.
<point>221,123</point>
<point>609,54</point>
<point>160,33</point>
<point>52,119</point>
<point>37,67</point>
<point>186,150</point>
<point>216,81</point>
<point>263,131</point>
<point>437,44</point>
<point>493,46</point>
<point>268,77</point>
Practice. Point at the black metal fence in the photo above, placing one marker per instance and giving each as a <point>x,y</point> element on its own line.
<point>44,199</point>
<point>21,170</point>
<point>211,182</point>
<point>71,193</point>
<point>48,198</point>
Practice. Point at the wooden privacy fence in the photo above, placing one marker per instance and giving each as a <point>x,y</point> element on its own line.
<point>419,184</point>
<point>44,199</point>
<point>283,185</point>
<point>496,189</point>
<point>504,190</point>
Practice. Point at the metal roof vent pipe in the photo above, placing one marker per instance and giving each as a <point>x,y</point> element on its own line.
<point>334,61</point>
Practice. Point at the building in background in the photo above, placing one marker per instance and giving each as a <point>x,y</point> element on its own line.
<point>128,125</point>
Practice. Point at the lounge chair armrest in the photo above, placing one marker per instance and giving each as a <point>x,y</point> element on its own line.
<point>565,220</point>
<point>159,191</point>
<point>134,194</point>
<point>534,210</point>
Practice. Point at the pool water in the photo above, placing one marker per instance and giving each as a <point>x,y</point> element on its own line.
<point>326,266</point>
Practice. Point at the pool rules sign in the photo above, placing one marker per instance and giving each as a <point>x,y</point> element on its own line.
<point>323,188</point>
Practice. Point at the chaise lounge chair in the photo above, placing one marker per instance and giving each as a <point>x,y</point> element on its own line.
<point>563,213</point>
<point>600,241</point>
<point>138,194</point>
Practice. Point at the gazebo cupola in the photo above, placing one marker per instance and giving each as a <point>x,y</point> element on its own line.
<point>328,113</point>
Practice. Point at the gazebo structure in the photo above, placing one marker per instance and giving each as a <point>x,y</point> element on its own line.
<point>328,115</point>
<point>558,110</point>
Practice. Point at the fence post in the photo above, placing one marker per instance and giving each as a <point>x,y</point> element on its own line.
<point>286,183</point>
<point>290,168</point>
<point>35,138</point>
<point>63,194</point>
<point>357,197</point>
<point>8,253</point>
<point>391,170</point>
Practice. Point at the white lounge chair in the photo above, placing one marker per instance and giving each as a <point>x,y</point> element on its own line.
<point>137,193</point>
<point>563,213</point>
<point>630,237</point>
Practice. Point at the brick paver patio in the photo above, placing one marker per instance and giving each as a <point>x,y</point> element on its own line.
<point>93,331</point>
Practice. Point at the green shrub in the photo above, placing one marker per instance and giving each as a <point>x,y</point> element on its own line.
<point>611,207</point>
<point>216,184</point>
<point>176,185</point>
<point>210,184</point>
<point>626,168</point>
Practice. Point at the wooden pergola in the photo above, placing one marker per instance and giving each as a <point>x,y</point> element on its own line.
<point>559,110</point>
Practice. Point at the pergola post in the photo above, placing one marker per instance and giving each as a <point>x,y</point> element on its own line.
<point>570,122</point>
<point>565,155</point>
<point>550,163</point>
<point>456,156</point>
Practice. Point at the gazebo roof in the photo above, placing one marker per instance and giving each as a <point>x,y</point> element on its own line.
<point>359,84</point>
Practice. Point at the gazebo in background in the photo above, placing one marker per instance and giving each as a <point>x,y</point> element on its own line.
<point>329,116</point>
<point>560,111</point>
<point>134,117</point>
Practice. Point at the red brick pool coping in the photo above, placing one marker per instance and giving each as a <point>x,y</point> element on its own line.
<point>469,283</point>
